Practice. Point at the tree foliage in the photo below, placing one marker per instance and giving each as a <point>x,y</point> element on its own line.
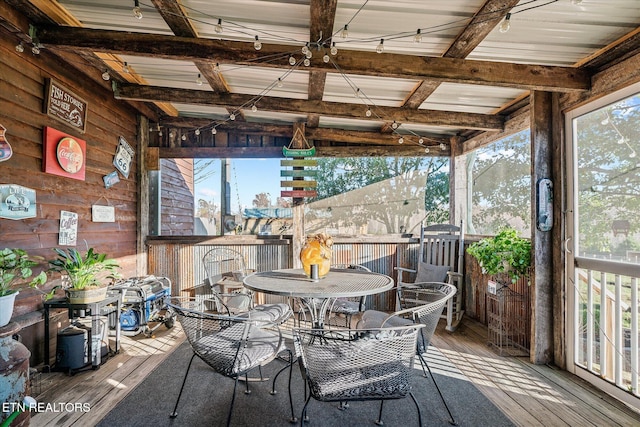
<point>389,191</point>
<point>262,200</point>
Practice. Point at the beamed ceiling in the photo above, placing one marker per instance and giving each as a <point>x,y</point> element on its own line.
<point>464,76</point>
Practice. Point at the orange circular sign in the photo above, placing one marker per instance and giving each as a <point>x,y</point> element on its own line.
<point>69,155</point>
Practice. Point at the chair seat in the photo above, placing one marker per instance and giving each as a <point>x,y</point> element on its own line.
<point>373,319</point>
<point>220,350</point>
<point>346,307</point>
<point>272,313</point>
<point>390,380</point>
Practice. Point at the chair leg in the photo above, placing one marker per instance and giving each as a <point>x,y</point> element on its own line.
<point>273,391</point>
<point>452,420</point>
<point>246,382</point>
<point>233,400</point>
<point>418,408</point>
<point>379,421</point>
<point>174,413</point>
<point>303,416</point>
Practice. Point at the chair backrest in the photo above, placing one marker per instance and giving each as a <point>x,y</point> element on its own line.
<point>337,361</point>
<point>435,297</point>
<point>442,245</point>
<point>218,340</point>
<point>219,262</point>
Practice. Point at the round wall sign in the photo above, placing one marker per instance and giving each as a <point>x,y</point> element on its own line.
<point>69,155</point>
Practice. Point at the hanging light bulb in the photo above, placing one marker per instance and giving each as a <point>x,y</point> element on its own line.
<point>426,150</point>
<point>632,155</point>
<point>306,62</point>
<point>345,32</point>
<point>197,132</point>
<point>216,68</point>
<point>605,121</point>
<point>421,141</point>
<point>401,140</point>
<point>106,76</point>
<point>254,108</point>
<point>368,112</point>
<point>621,140</point>
<point>35,49</point>
<point>506,23</point>
<point>136,10</point>
<point>380,47</point>
<point>309,54</point>
<point>218,28</point>
<point>232,116</point>
<point>358,92</point>
<point>159,131</point>
<point>20,47</point>
<point>394,125</point>
<point>213,131</point>
<point>125,68</point>
<point>279,83</point>
<point>199,80</point>
<point>326,58</point>
<point>305,49</point>
<point>256,44</point>
<point>334,49</point>
<point>292,60</point>
<point>443,146</point>
<point>418,37</point>
<point>183,137</point>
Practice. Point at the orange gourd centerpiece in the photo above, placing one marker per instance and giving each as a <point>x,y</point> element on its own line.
<point>317,250</point>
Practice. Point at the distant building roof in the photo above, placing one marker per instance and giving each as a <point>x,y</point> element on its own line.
<point>268,213</point>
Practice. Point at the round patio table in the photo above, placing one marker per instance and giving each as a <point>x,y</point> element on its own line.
<point>317,294</point>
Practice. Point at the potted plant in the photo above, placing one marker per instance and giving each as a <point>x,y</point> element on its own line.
<point>83,276</point>
<point>15,266</point>
<point>505,254</point>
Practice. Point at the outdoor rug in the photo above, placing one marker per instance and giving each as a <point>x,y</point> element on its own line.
<point>206,398</point>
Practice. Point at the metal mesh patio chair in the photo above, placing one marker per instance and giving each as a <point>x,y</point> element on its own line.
<point>221,263</point>
<point>432,298</point>
<point>232,346</point>
<point>347,307</point>
<point>440,259</point>
<point>357,365</point>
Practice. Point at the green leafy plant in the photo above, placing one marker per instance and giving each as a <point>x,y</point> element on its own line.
<point>86,271</point>
<point>504,253</point>
<point>16,265</point>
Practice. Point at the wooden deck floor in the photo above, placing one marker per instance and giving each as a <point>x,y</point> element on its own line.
<point>530,395</point>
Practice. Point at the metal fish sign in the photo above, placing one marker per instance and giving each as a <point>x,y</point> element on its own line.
<point>5,149</point>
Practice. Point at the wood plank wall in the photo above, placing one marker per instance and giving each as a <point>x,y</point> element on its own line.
<point>22,87</point>
<point>177,197</point>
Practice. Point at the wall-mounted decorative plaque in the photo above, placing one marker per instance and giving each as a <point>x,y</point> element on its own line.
<point>17,202</point>
<point>64,155</point>
<point>124,156</point>
<point>68,228</point>
<point>64,105</point>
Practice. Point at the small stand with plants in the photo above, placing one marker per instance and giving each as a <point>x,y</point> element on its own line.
<point>506,258</point>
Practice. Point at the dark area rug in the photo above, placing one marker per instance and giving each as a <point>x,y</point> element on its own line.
<point>206,398</point>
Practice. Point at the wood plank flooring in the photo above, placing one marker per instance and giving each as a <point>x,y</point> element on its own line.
<point>530,395</point>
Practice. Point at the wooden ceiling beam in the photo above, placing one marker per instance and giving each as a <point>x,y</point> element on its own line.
<point>324,108</point>
<point>504,74</point>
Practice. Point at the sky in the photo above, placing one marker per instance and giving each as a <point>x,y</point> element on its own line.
<point>248,177</point>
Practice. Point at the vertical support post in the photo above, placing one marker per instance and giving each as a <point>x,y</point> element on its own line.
<point>542,326</point>
<point>225,193</point>
<point>457,183</point>
<point>142,213</point>
<point>298,207</point>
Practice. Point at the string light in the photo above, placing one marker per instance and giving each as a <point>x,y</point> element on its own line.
<point>632,155</point>
<point>199,80</point>
<point>345,32</point>
<point>292,60</point>
<point>216,68</point>
<point>394,125</point>
<point>443,146</point>
<point>308,54</point>
<point>197,132</point>
<point>213,131</point>
<point>418,37</point>
<point>279,83</point>
<point>421,141</point>
<point>20,47</point>
<point>334,49</point>
<point>426,150</point>
<point>326,58</point>
<point>506,23</point>
<point>305,49</point>
<point>125,68</point>
<point>621,140</point>
<point>401,140</point>
<point>136,10</point>
<point>254,108</point>
<point>105,75</point>
<point>183,137</point>
<point>358,92</point>
<point>35,49</point>
<point>380,47</point>
<point>218,28</point>
<point>306,62</point>
<point>232,116</point>
<point>256,44</point>
<point>368,112</point>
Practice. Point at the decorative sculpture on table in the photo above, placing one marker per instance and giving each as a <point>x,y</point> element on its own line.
<point>317,250</point>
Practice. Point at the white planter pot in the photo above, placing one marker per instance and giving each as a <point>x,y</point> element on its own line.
<point>6,308</point>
